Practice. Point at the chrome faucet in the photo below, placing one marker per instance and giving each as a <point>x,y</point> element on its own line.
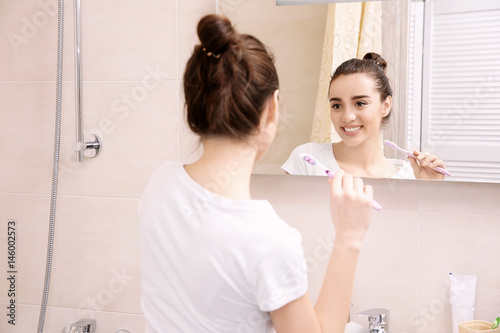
<point>81,326</point>
<point>378,319</point>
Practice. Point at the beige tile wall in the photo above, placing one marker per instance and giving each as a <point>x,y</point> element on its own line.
<point>133,55</point>
<point>425,230</point>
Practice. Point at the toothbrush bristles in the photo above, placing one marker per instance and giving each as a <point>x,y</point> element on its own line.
<point>308,159</point>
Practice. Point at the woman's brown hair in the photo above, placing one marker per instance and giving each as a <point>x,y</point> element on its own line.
<point>372,65</point>
<point>227,82</point>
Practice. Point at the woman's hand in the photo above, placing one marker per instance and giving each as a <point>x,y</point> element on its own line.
<point>350,208</point>
<point>423,164</point>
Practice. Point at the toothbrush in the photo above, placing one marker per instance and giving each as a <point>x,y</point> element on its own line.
<point>311,160</point>
<point>395,146</point>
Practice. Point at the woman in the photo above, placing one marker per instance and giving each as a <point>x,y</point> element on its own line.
<point>213,259</point>
<point>361,101</point>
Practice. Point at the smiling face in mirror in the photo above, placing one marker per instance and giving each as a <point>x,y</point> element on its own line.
<point>360,100</point>
<point>356,109</point>
<point>359,88</point>
<point>357,112</point>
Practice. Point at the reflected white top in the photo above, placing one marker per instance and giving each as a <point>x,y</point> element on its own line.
<point>322,152</point>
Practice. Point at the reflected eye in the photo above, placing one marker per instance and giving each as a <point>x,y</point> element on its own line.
<point>336,106</point>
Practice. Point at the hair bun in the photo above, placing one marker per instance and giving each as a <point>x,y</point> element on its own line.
<point>216,33</point>
<point>377,58</point>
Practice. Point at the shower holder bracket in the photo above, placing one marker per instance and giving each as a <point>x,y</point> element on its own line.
<point>91,145</point>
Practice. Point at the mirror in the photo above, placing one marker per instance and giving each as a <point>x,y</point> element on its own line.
<point>296,36</point>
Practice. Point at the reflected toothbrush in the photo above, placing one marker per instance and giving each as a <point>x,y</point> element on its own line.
<point>395,146</point>
<point>311,160</point>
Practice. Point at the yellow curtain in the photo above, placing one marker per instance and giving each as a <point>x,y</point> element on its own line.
<point>352,30</point>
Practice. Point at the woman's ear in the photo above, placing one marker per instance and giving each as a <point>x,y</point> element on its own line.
<point>387,106</point>
<point>272,112</point>
<point>275,107</point>
<point>270,115</point>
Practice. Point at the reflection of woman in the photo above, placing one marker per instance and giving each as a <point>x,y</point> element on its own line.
<point>213,259</point>
<point>361,101</point>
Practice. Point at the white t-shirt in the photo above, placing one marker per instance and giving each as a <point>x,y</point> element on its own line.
<point>213,264</point>
<point>322,152</point>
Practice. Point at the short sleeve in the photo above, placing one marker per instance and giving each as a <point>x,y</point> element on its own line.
<point>405,170</point>
<point>280,276</point>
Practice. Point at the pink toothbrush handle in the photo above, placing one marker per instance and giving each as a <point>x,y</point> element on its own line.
<point>443,171</point>
<point>438,169</point>
<point>375,204</point>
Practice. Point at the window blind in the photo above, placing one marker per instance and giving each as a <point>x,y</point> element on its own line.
<point>414,93</point>
<point>461,87</point>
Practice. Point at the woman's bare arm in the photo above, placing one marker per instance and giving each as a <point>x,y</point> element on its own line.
<point>350,208</point>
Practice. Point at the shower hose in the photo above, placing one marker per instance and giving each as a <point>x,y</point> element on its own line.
<point>55,168</point>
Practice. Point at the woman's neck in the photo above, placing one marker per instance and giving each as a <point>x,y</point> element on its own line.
<point>364,160</point>
<point>224,168</point>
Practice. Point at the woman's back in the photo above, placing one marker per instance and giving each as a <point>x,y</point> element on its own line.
<point>213,264</point>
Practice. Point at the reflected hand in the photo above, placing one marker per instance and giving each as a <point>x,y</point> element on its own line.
<point>350,208</point>
<point>423,164</point>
